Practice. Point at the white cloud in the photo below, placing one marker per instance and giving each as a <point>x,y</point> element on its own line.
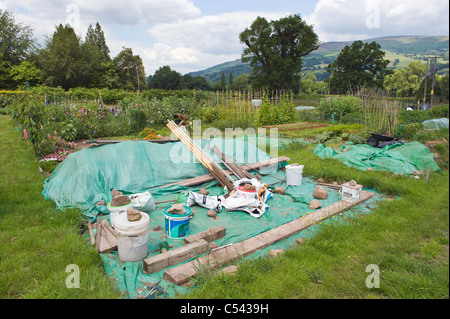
<point>201,42</point>
<point>339,20</point>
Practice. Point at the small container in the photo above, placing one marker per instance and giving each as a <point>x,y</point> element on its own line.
<point>294,174</point>
<point>351,191</point>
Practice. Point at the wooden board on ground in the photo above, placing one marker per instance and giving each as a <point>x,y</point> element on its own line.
<point>249,167</point>
<point>108,240</point>
<point>209,235</point>
<point>183,273</point>
<point>175,256</point>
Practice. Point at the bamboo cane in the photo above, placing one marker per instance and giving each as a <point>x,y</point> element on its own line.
<point>219,174</point>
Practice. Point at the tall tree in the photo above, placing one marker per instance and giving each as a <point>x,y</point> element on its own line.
<point>223,82</point>
<point>96,37</point>
<point>358,65</point>
<point>16,40</point>
<point>61,59</point>
<point>130,70</point>
<point>275,51</point>
<point>406,82</point>
<point>16,43</point>
<point>230,80</point>
<point>167,79</point>
<point>98,66</point>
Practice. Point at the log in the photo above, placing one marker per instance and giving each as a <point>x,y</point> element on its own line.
<point>91,233</point>
<point>209,235</point>
<point>183,273</point>
<point>175,256</point>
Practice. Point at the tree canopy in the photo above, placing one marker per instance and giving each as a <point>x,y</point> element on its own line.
<point>275,50</point>
<point>358,65</point>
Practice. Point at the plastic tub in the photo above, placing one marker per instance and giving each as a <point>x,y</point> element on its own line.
<point>177,226</point>
<point>114,211</point>
<point>132,237</point>
<point>294,174</point>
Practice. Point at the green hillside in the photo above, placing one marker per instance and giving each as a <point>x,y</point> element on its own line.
<point>400,50</point>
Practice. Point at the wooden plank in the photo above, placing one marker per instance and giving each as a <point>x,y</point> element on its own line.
<point>209,235</point>
<point>235,168</point>
<point>108,240</point>
<point>249,167</point>
<point>97,235</point>
<point>91,233</point>
<point>182,273</point>
<point>175,256</point>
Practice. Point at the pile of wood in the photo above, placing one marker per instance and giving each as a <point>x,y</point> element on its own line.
<point>219,174</point>
<point>105,238</point>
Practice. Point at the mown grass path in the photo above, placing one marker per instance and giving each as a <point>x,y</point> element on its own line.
<point>38,244</point>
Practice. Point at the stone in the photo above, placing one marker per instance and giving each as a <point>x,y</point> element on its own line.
<point>115,193</point>
<point>320,193</point>
<point>249,187</point>
<point>300,240</point>
<point>370,169</point>
<point>203,192</point>
<point>314,204</point>
<point>177,209</point>
<point>120,200</point>
<point>102,203</point>
<point>275,252</point>
<point>280,190</point>
<point>211,213</point>
<point>133,215</point>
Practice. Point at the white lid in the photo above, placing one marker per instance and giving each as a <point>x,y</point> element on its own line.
<point>123,225</point>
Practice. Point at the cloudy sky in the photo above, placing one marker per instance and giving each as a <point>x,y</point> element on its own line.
<point>191,35</point>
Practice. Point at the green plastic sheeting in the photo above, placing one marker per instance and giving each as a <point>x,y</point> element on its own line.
<point>131,278</point>
<point>87,176</point>
<point>398,158</point>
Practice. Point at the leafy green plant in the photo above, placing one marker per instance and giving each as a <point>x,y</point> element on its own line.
<point>272,114</point>
<point>29,113</point>
<point>340,105</point>
<point>68,131</point>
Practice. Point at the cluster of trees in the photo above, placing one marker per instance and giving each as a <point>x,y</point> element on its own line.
<point>274,49</point>
<point>67,61</point>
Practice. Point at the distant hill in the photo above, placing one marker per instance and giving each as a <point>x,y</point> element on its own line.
<point>400,50</point>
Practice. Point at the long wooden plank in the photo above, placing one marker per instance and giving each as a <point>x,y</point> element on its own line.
<point>175,256</point>
<point>181,274</point>
<point>209,235</point>
<point>249,167</point>
<point>235,168</point>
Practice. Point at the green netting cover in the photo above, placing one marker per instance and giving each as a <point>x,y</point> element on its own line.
<point>88,176</point>
<point>436,124</point>
<point>398,158</point>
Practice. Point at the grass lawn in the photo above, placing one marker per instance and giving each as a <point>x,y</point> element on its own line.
<point>407,238</point>
<point>37,242</point>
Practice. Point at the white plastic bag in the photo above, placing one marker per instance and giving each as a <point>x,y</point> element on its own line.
<point>210,202</point>
<point>143,202</point>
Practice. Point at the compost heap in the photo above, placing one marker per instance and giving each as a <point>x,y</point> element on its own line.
<point>404,159</point>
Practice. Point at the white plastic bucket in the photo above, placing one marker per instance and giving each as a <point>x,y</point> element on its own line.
<point>294,174</point>
<point>115,211</point>
<point>132,237</point>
